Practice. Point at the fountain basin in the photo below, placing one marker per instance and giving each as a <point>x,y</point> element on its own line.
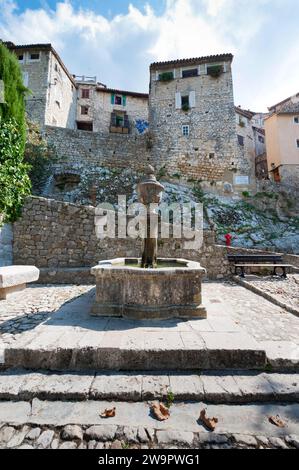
<point>172,290</point>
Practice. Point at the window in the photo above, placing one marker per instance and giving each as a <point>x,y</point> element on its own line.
<point>85,126</point>
<point>215,70</point>
<point>189,73</point>
<point>241,140</point>
<point>118,99</point>
<point>297,143</point>
<point>185,103</point>
<point>85,93</point>
<point>34,56</point>
<point>211,155</point>
<point>261,139</point>
<point>21,58</point>
<point>296,119</point>
<point>84,110</point>
<point>185,131</point>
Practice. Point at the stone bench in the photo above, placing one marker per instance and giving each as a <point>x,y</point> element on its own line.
<point>14,279</point>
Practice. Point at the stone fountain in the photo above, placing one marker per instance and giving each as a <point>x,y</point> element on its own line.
<point>150,287</point>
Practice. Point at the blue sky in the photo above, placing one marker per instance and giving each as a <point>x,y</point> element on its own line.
<point>118,39</point>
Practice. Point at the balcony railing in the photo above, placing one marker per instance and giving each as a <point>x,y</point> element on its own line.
<point>85,79</point>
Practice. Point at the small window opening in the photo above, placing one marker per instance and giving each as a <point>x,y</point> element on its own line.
<point>84,110</point>
<point>185,131</point>
<point>189,73</point>
<point>34,56</point>
<point>85,93</point>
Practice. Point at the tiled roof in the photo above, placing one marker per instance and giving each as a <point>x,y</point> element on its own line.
<point>194,61</point>
<point>259,129</point>
<point>123,92</point>
<point>273,108</point>
<point>246,113</point>
<point>289,108</point>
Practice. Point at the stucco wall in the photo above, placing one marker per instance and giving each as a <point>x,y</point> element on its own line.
<point>61,97</point>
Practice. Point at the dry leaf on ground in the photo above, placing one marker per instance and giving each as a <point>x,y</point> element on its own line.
<point>276,421</point>
<point>108,413</point>
<point>160,411</point>
<point>210,423</point>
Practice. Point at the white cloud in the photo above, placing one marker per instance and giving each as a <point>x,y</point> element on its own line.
<point>120,49</point>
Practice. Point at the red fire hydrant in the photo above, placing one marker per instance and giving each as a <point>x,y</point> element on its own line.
<point>228,239</point>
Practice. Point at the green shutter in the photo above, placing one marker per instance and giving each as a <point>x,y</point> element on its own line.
<point>112,98</point>
<point>124,100</point>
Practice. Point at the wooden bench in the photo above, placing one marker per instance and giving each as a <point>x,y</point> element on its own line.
<point>241,262</point>
<point>14,279</point>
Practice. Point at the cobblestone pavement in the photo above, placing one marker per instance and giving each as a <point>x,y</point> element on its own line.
<point>284,290</point>
<point>112,437</point>
<point>34,306</point>
<point>259,317</point>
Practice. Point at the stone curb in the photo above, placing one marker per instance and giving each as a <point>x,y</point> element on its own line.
<point>238,388</point>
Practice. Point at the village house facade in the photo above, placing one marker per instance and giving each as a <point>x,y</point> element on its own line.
<point>282,136</point>
<point>186,125</point>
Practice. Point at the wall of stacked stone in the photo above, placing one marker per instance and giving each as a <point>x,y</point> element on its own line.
<point>81,149</point>
<point>57,235</point>
<point>60,238</point>
<point>6,240</point>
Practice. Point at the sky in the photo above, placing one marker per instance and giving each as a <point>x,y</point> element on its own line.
<point>116,40</point>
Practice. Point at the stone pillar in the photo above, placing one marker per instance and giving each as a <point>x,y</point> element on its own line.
<point>6,239</point>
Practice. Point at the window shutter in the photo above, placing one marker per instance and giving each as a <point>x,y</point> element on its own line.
<point>113,119</point>
<point>178,101</point>
<point>25,78</point>
<point>124,100</point>
<point>192,99</point>
<point>112,98</point>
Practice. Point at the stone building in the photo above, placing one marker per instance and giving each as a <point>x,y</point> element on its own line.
<point>52,100</point>
<point>102,109</point>
<point>282,137</point>
<point>192,119</point>
<point>251,147</point>
<point>186,125</point>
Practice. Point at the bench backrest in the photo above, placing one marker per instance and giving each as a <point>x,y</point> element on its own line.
<point>255,258</point>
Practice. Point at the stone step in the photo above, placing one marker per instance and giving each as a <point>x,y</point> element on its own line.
<point>64,348</point>
<point>211,387</point>
<point>134,421</point>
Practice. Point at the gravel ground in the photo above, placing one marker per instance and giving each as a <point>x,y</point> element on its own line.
<point>284,290</point>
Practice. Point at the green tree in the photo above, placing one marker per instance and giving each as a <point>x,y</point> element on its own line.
<point>14,180</point>
<point>14,91</point>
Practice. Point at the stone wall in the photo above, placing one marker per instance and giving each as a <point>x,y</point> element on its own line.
<point>60,236</point>
<point>6,240</point>
<point>245,163</point>
<point>36,79</point>
<point>77,150</point>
